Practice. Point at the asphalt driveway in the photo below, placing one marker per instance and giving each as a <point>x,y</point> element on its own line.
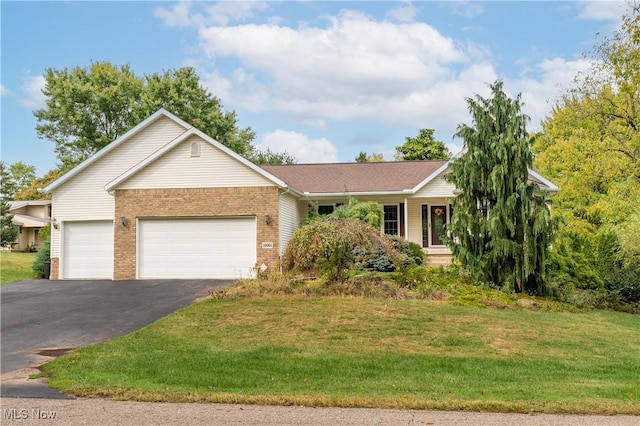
<point>39,314</point>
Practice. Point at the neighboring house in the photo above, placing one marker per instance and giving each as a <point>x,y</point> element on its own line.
<point>167,201</point>
<point>29,216</point>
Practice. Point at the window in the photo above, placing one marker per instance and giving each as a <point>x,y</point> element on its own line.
<point>326,209</point>
<point>425,225</point>
<point>391,216</point>
<point>21,229</point>
<point>195,149</point>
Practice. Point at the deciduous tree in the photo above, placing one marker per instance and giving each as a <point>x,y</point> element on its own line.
<point>267,156</point>
<point>363,157</point>
<point>590,147</point>
<point>422,147</point>
<point>88,108</point>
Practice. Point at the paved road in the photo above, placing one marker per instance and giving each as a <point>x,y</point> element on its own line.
<point>103,412</point>
<point>42,314</point>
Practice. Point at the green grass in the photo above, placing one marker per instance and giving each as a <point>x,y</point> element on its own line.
<point>346,351</point>
<point>16,266</point>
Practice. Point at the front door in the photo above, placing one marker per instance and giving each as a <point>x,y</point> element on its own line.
<point>438,221</point>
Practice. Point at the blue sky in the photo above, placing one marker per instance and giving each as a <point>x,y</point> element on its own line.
<point>321,80</point>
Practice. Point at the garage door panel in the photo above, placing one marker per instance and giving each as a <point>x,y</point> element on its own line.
<point>88,250</point>
<point>196,248</point>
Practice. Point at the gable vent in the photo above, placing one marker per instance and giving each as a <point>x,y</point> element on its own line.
<point>195,149</point>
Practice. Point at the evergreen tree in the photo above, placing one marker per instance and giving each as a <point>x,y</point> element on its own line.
<point>500,228</point>
<point>8,231</point>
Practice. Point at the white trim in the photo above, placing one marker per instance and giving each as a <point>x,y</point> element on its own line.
<point>110,147</point>
<point>548,183</point>
<point>351,193</point>
<point>137,248</point>
<point>406,219</point>
<point>191,132</point>
<point>550,186</point>
<point>18,204</point>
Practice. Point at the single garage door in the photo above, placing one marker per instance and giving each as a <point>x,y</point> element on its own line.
<point>197,248</point>
<point>88,250</point>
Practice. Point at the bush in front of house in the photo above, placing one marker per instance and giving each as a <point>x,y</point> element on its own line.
<point>332,246</point>
<point>44,252</point>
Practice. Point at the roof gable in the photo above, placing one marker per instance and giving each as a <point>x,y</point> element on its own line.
<point>113,145</point>
<point>144,164</point>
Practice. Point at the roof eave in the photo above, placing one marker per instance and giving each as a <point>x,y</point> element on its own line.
<point>551,187</point>
<point>355,194</point>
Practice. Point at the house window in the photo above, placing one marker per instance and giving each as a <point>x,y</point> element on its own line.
<point>21,229</point>
<point>195,149</point>
<point>325,209</point>
<point>391,223</point>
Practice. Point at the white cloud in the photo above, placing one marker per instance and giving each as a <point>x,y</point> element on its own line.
<point>335,73</point>
<point>305,150</point>
<point>466,9</point>
<point>406,12</point>
<point>601,10</point>
<point>179,15</point>
<point>220,13</point>
<point>357,68</point>
<point>3,90</point>
<point>32,90</point>
<point>539,94</point>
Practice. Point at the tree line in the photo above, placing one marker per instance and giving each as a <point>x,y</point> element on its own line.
<point>502,229</point>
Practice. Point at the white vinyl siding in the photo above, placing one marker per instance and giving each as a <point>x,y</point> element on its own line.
<point>436,188</point>
<point>197,248</point>
<point>88,250</point>
<point>289,219</point>
<point>179,169</point>
<point>83,197</point>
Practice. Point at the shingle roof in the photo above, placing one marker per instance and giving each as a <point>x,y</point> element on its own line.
<point>355,177</point>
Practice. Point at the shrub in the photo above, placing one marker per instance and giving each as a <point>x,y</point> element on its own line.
<point>44,252</point>
<point>624,284</point>
<point>413,253</point>
<point>43,255</point>
<point>331,246</point>
<point>369,212</point>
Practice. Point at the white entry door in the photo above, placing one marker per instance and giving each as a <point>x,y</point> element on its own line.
<point>197,248</point>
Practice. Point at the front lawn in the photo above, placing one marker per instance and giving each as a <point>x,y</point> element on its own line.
<point>363,352</point>
<point>16,266</point>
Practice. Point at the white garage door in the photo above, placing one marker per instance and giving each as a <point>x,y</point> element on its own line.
<point>88,250</point>
<point>196,248</point>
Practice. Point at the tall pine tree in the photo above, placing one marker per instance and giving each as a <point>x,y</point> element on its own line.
<point>500,228</point>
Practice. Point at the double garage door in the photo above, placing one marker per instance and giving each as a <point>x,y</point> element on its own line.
<point>166,248</point>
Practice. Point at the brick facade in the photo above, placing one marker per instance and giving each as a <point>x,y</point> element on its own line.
<point>135,204</point>
<point>55,269</point>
